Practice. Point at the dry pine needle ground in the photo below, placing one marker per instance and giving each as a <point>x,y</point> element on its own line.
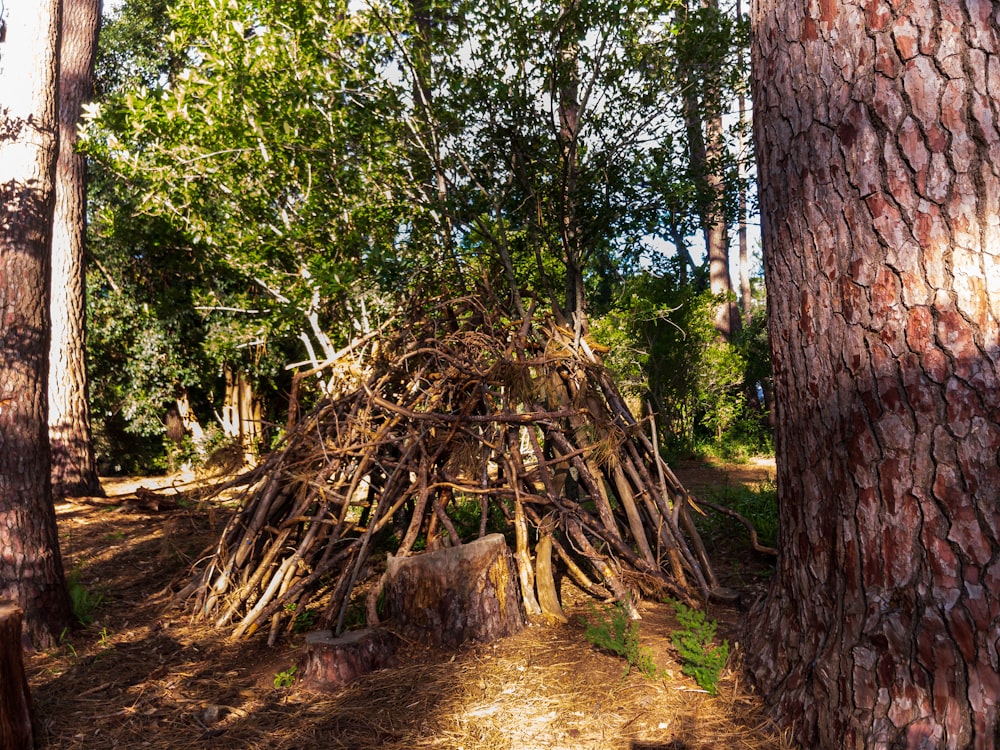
<point>142,676</point>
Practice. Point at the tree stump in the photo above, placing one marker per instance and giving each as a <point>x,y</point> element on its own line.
<point>16,710</point>
<point>453,595</point>
<point>330,663</point>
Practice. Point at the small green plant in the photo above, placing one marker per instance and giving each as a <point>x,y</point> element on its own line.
<point>305,620</point>
<point>64,643</point>
<point>84,601</point>
<point>701,658</point>
<point>613,630</point>
<point>285,678</point>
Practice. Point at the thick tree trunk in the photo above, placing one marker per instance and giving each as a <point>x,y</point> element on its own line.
<point>74,470</point>
<point>16,711</point>
<point>447,597</point>
<point>877,155</point>
<point>30,566</point>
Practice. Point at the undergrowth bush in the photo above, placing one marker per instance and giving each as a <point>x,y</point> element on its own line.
<point>613,630</point>
<point>695,642</point>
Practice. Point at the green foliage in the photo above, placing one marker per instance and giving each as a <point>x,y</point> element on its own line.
<point>84,601</point>
<point>305,620</point>
<point>270,174</point>
<point>758,504</point>
<point>285,678</point>
<point>613,630</point>
<point>694,641</point>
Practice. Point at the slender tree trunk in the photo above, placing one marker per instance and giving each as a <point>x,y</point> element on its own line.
<point>568,84</point>
<point>74,470</point>
<point>706,151</point>
<point>31,570</point>
<point>746,292</point>
<point>877,142</point>
<point>727,319</point>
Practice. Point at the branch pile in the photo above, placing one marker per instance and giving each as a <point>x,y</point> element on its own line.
<point>464,421</point>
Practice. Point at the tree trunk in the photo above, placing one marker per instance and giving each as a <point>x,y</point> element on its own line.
<point>241,414</point>
<point>706,151</point>
<point>877,149</point>
<point>330,663</point>
<point>16,710</point>
<point>567,79</point>
<point>447,597</point>
<point>74,470</point>
<point>30,566</point>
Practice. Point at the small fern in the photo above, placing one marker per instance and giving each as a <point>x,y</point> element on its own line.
<point>613,630</point>
<point>701,659</point>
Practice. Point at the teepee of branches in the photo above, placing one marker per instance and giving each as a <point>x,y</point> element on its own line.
<point>463,421</point>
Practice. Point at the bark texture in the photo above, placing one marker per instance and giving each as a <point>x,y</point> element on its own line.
<point>16,710</point>
<point>74,470</point>
<point>330,663</point>
<point>30,566</point>
<point>457,594</point>
<point>879,168</point>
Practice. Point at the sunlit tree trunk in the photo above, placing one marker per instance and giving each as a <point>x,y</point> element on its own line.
<point>74,470</point>
<point>878,145</point>
<point>706,152</point>
<point>746,292</point>
<point>31,570</point>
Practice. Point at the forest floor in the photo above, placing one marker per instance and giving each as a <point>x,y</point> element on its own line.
<point>143,675</point>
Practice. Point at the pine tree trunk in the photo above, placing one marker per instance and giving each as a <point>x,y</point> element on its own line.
<point>16,710</point>
<point>74,470</point>
<point>30,566</point>
<point>877,150</point>
<point>447,597</point>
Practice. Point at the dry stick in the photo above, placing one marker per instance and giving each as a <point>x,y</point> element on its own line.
<point>369,535</point>
<point>575,532</point>
<point>445,519</point>
<point>614,540</point>
<point>747,524</point>
<point>581,578</point>
<point>661,504</point>
<point>241,597</point>
<point>302,548</point>
<point>626,498</point>
<point>526,573</point>
<point>416,521</point>
<point>326,563</point>
<point>589,483</point>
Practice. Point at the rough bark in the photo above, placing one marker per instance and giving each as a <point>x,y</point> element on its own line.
<point>74,470</point>
<point>878,153</point>
<point>16,709</point>
<point>330,663</point>
<point>30,566</point>
<point>469,592</point>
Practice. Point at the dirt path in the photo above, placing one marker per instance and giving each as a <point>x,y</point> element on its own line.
<point>142,674</point>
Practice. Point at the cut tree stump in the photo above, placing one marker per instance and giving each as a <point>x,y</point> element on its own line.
<point>457,594</point>
<point>330,663</point>
<point>16,710</point>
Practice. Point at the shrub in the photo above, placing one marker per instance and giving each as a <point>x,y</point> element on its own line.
<point>694,641</point>
<point>613,630</point>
